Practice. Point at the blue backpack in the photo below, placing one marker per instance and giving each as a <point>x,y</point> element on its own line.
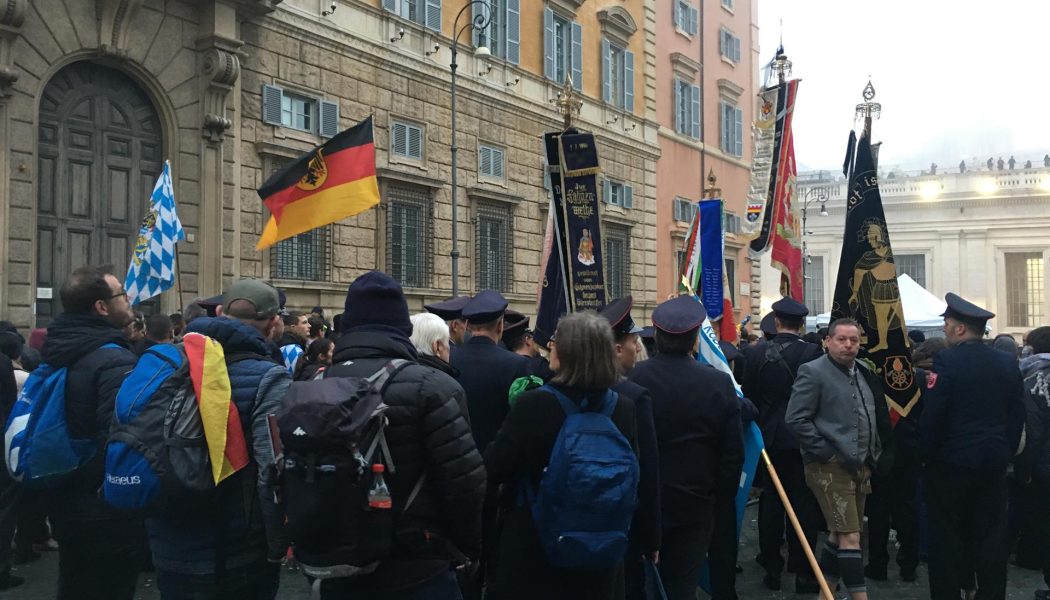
<point>587,496</point>
<point>37,446</point>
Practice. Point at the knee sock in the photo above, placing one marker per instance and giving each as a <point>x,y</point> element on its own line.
<point>851,565</point>
<point>829,560</point>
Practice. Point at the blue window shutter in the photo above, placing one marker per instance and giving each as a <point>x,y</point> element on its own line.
<point>678,125</point>
<point>738,130</point>
<point>433,15</point>
<point>678,14</point>
<point>548,43</point>
<point>329,118</point>
<point>628,196</point>
<point>736,49</point>
<point>628,80</point>
<point>722,43</point>
<point>695,112</point>
<point>271,104</point>
<point>607,191</point>
<point>577,56</point>
<point>606,70</point>
<point>390,5</point>
<point>480,37</point>
<point>693,17</point>
<point>513,35</point>
<point>724,121</point>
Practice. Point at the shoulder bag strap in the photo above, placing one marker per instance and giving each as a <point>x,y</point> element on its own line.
<point>567,405</point>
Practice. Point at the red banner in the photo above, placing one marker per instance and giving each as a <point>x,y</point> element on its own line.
<point>786,234</point>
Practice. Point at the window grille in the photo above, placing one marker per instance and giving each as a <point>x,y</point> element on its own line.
<point>409,230</point>
<point>617,261</point>
<point>912,264</point>
<point>1024,289</point>
<point>494,236</point>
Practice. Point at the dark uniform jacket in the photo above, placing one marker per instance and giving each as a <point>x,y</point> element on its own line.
<point>974,411</point>
<point>698,432</point>
<point>768,382</point>
<point>1035,462</point>
<point>428,430</point>
<point>486,372</point>
<point>520,452</point>
<point>645,529</point>
<point>94,375</point>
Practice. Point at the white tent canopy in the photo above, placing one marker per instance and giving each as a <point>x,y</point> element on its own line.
<point>922,310</point>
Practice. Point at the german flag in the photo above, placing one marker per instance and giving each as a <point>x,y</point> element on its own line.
<point>331,182</point>
<point>227,445</point>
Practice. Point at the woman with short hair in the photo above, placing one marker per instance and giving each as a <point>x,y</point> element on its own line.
<point>583,358</point>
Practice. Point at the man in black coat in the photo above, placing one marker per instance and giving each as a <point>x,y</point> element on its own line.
<point>645,530</point>
<point>699,437</point>
<point>100,550</point>
<point>9,490</point>
<point>970,429</point>
<point>771,371</point>
<point>429,434</point>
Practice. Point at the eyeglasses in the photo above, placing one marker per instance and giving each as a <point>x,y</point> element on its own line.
<point>108,298</point>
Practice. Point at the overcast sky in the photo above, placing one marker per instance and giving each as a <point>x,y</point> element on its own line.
<point>957,79</point>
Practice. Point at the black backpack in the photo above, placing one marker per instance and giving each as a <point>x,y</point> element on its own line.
<point>332,431</point>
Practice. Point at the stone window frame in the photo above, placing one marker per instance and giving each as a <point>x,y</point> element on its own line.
<point>617,25</point>
<point>500,180</point>
<point>394,158</point>
<point>428,186</point>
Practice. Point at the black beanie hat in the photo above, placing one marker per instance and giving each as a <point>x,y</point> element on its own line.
<point>375,301</point>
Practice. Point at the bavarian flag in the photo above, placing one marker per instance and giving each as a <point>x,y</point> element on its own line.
<point>331,182</point>
<point>223,432</point>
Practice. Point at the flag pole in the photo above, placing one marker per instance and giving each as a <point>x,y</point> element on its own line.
<point>803,541</point>
<point>178,276</point>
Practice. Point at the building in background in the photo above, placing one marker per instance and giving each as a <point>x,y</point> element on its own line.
<point>981,233</point>
<point>706,75</point>
<point>96,95</point>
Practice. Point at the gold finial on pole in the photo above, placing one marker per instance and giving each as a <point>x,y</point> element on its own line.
<point>712,191</point>
<point>869,109</point>
<point>569,102</point>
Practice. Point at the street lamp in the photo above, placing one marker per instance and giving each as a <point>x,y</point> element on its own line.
<point>478,22</point>
<point>822,197</point>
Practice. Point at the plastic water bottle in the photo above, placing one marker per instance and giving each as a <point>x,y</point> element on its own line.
<point>379,495</point>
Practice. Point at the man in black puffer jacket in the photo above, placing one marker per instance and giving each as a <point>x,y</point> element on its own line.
<point>429,434</point>
<point>100,551</point>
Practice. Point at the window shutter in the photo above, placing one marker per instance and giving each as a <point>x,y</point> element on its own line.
<point>736,49</point>
<point>693,18</point>
<point>628,80</point>
<point>723,122</point>
<point>628,196</point>
<point>390,5</point>
<point>678,14</point>
<point>433,15</point>
<point>479,36</point>
<point>548,43</point>
<point>677,209</point>
<point>485,161</point>
<point>606,70</point>
<point>577,56</point>
<point>329,118</point>
<point>679,126</point>
<point>607,191</point>
<point>695,112</point>
<point>497,163</point>
<point>415,142</point>
<point>399,139</point>
<point>722,42</point>
<point>271,104</point>
<point>513,36</point>
<point>738,131</point>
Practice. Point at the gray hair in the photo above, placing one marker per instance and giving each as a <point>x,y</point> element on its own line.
<point>428,328</point>
<point>586,352</point>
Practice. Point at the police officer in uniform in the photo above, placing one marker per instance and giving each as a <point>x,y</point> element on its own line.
<point>771,370</point>
<point>451,311</point>
<point>486,371</point>
<point>969,430</point>
<point>699,438</point>
<point>518,338</point>
<point>645,529</point>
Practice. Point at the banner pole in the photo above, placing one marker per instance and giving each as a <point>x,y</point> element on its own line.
<point>825,590</point>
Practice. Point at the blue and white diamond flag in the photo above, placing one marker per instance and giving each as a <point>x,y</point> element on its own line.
<point>152,268</point>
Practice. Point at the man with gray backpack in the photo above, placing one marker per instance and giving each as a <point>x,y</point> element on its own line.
<point>381,475</point>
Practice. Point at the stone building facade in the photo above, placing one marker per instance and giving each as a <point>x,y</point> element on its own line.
<point>97,94</point>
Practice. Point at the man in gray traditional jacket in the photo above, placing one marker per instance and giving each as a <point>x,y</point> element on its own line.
<point>840,417</point>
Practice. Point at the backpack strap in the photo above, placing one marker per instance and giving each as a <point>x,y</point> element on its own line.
<point>774,354</point>
<point>379,381</point>
<point>567,405</point>
<point>609,403</point>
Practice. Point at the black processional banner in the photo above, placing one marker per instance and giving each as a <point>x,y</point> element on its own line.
<point>553,297</point>
<point>578,160</point>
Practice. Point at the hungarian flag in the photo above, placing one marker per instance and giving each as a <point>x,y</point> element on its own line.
<point>227,447</point>
<point>331,182</point>
<point>866,288</point>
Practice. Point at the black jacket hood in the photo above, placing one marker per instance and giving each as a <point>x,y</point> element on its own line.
<point>71,337</point>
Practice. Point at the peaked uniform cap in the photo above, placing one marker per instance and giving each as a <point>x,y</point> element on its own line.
<point>679,315</point>
<point>790,308</point>
<point>450,309</point>
<point>618,314</point>
<point>485,307</point>
<point>963,310</point>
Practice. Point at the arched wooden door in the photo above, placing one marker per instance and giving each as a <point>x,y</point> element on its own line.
<point>100,152</point>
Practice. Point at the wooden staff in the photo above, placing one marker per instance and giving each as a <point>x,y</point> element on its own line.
<point>825,590</point>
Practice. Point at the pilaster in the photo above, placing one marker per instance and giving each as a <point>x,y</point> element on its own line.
<point>11,19</point>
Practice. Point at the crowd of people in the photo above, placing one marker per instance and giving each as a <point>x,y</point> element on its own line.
<point>593,462</point>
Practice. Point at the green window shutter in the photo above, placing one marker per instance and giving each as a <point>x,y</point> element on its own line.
<point>628,196</point>
<point>329,118</point>
<point>628,80</point>
<point>432,18</point>
<point>548,43</point>
<point>606,70</point>
<point>271,104</point>
<point>513,36</point>
<point>679,126</point>
<point>738,131</point>
<point>607,191</point>
<point>678,14</point>
<point>390,5</point>
<point>694,113</point>
<point>577,56</point>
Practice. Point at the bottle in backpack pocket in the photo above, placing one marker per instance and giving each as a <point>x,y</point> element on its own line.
<point>379,495</point>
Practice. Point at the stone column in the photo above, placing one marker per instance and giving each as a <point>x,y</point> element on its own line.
<point>11,18</point>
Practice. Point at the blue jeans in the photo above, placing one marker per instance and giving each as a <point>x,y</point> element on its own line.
<point>442,587</point>
<point>258,581</point>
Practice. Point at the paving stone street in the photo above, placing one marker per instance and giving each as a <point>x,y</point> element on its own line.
<point>41,577</point>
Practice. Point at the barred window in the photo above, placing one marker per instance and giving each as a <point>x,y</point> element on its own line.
<point>912,264</point>
<point>617,261</point>
<point>815,285</point>
<point>494,246</point>
<point>305,257</point>
<point>1024,289</point>
<point>408,235</point>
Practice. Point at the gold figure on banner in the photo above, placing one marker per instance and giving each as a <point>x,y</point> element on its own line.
<point>875,293</point>
<point>586,249</point>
